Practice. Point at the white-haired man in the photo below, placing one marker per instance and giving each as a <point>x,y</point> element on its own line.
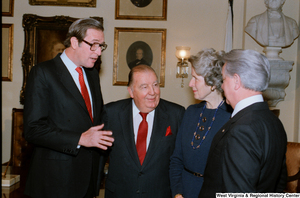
<point>248,153</point>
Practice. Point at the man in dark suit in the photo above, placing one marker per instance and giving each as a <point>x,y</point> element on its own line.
<point>248,153</point>
<point>62,118</point>
<point>132,172</point>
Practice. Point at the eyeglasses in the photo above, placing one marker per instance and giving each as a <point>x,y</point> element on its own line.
<point>95,46</point>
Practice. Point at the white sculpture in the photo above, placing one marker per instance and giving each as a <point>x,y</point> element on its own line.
<point>272,28</point>
<point>274,31</point>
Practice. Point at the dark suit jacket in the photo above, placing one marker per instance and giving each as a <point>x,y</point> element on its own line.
<point>55,116</point>
<point>126,176</point>
<point>247,154</point>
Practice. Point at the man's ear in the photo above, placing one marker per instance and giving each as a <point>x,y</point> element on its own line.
<point>74,42</point>
<point>237,81</point>
<point>130,91</point>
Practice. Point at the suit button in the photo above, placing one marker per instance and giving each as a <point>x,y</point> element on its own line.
<point>138,191</point>
<point>140,173</point>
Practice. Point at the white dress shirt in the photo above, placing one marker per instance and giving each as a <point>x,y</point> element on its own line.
<point>137,119</point>
<point>246,102</point>
<point>75,75</point>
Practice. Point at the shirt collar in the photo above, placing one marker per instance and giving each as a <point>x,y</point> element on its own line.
<point>136,111</point>
<point>69,64</point>
<point>247,102</point>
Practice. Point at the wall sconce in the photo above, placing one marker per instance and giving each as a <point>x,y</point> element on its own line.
<point>182,53</point>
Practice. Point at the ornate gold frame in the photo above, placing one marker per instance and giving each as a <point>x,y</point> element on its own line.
<point>83,3</point>
<point>156,10</point>
<point>10,11</point>
<point>7,52</point>
<point>125,38</point>
<point>32,25</point>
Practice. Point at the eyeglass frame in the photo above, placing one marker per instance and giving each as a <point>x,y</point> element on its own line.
<point>101,45</point>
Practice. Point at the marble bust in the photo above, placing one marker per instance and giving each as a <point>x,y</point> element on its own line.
<point>272,28</point>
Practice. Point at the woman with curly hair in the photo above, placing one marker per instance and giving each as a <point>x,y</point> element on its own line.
<point>200,124</point>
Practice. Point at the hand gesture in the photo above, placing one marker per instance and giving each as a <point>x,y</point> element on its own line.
<point>95,137</point>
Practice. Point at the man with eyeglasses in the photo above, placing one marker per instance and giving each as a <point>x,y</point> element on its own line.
<point>63,118</point>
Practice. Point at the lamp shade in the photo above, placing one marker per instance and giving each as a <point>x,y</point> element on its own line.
<point>182,52</point>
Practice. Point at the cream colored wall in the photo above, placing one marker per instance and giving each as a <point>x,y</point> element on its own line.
<point>195,23</point>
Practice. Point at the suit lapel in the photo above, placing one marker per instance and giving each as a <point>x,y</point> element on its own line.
<point>220,134</point>
<point>93,94</point>
<point>158,131</point>
<point>67,81</point>
<point>125,117</point>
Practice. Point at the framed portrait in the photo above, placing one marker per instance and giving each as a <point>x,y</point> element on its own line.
<point>77,3</point>
<point>7,7</point>
<point>44,37</point>
<point>7,51</point>
<point>141,9</point>
<point>136,46</point>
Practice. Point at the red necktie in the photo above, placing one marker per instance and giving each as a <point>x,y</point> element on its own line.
<point>84,92</point>
<point>142,138</point>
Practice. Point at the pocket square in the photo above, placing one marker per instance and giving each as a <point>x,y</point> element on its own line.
<point>168,132</point>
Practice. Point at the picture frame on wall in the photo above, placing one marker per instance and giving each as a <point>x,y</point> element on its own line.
<point>76,3</point>
<point>44,37</point>
<point>7,7</point>
<point>7,51</point>
<point>135,46</point>
<point>141,9</point>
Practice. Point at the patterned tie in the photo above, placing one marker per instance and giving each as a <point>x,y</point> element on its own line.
<point>84,92</point>
<point>142,138</point>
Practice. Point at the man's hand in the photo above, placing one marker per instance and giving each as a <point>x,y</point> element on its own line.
<point>94,137</point>
<point>178,196</point>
